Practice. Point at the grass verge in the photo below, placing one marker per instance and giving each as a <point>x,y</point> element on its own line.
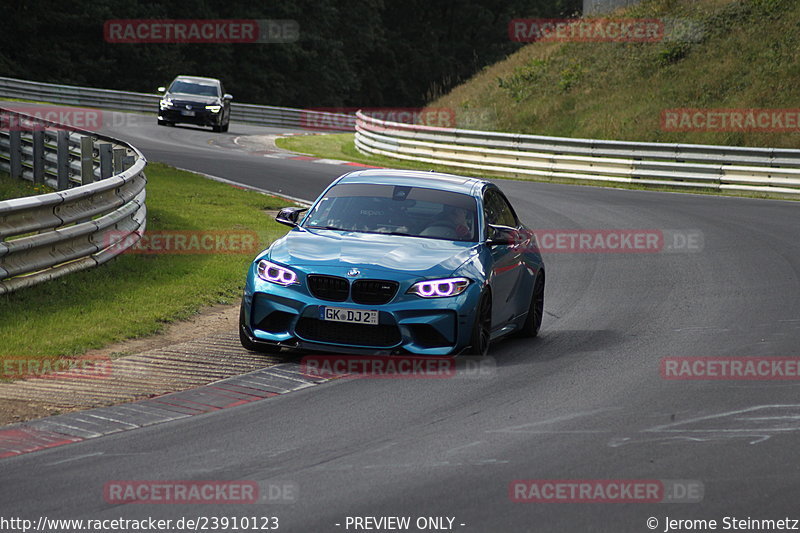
<point>15,188</point>
<point>342,146</point>
<point>735,54</point>
<point>135,295</point>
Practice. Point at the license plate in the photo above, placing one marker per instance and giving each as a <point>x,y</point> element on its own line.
<point>187,113</point>
<point>351,316</point>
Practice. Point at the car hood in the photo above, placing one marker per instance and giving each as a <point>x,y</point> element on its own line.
<point>325,248</point>
<point>195,98</point>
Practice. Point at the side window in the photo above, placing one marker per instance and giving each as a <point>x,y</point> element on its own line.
<point>497,210</point>
<point>507,216</point>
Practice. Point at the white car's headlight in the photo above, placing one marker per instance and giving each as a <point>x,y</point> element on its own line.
<point>214,108</point>
<point>165,103</point>
<point>275,273</point>
<point>439,288</point>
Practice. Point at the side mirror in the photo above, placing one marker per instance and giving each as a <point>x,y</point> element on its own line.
<point>289,215</point>
<point>162,89</point>
<point>227,97</point>
<point>501,235</point>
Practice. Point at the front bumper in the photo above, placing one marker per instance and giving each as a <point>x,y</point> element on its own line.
<point>201,117</point>
<point>290,316</point>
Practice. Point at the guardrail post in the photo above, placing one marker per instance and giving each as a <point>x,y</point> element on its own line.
<point>15,149</point>
<point>38,156</point>
<point>62,157</point>
<point>119,154</point>
<point>87,163</point>
<point>105,161</point>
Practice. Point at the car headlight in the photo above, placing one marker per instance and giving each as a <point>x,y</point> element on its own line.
<point>214,108</point>
<point>275,273</point>
<point>165,103</point>
<point>439,288</point>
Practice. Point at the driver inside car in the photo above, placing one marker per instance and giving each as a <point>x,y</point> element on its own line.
<point>453,224</point>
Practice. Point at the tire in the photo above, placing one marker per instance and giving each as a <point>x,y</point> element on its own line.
<point>216,129</point>
<point>225,127</point>
<point>162,122</point>
<point>482,329</point>
<point>248,344</point>
<point>533,322</point>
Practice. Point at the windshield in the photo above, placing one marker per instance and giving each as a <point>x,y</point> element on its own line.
<point>397,210</point>
<point>189,87</point>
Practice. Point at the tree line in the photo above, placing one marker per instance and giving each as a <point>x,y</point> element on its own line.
<point>348,52</point>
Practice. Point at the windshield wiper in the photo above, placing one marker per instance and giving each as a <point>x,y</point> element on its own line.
<point>327,227</point>
<point>363,231</point>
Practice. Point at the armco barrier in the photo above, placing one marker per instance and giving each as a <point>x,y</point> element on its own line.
<point>690,166</point>
<point>148,103</point>
<point>100,201</point>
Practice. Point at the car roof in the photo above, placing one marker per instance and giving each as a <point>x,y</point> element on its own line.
<point>417,178</point>
<point>198,79</point>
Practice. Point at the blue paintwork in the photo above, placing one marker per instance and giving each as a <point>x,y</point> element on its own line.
<point>507,271</point>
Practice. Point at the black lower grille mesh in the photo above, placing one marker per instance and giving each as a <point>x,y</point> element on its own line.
<point>381,335</point>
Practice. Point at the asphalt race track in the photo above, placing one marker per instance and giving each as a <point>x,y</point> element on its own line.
<point>584,401</point>
<point>217,154</point>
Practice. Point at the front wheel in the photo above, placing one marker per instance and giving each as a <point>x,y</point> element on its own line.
<point>482,329</point>
<point>533,322</point>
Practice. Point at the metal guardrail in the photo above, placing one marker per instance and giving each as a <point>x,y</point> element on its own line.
<point>148,103</point>
<point>691,166</point>
<point>98,211</point>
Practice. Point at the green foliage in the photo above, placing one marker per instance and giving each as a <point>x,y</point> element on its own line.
<point>350,52</point>
<point>522,81</point>
<point>570,76</point>
<point>672,53</point>
<point>716,54</point>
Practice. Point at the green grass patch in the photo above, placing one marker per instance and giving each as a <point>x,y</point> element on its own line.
<point>735,54</point>
<point>342,146</point>
<point>135,295</point>
<point>16,188</point>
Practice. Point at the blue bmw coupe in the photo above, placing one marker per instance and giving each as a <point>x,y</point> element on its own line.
<point>396,262</point>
